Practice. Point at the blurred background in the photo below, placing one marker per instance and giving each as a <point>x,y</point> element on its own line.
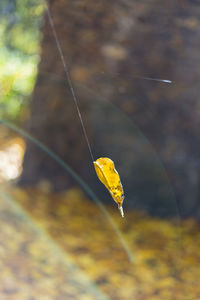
<point>56,243</point>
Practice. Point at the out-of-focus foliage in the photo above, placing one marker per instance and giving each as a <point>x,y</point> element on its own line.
<point>32,265</point>
<point>166,264</point>
<point>19,49</point>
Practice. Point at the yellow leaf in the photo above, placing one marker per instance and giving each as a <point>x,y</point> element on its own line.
<point>108,175</point>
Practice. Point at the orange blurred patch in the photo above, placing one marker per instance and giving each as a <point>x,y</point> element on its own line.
<point>11,158</point>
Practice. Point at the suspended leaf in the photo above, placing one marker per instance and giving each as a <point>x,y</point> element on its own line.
<point>108,175</point>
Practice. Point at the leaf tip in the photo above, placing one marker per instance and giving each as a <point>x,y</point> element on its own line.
<point>121,211</point>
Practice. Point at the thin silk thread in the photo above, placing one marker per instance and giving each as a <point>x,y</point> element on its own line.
<point>68,78</point>
<point>70,81</point>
